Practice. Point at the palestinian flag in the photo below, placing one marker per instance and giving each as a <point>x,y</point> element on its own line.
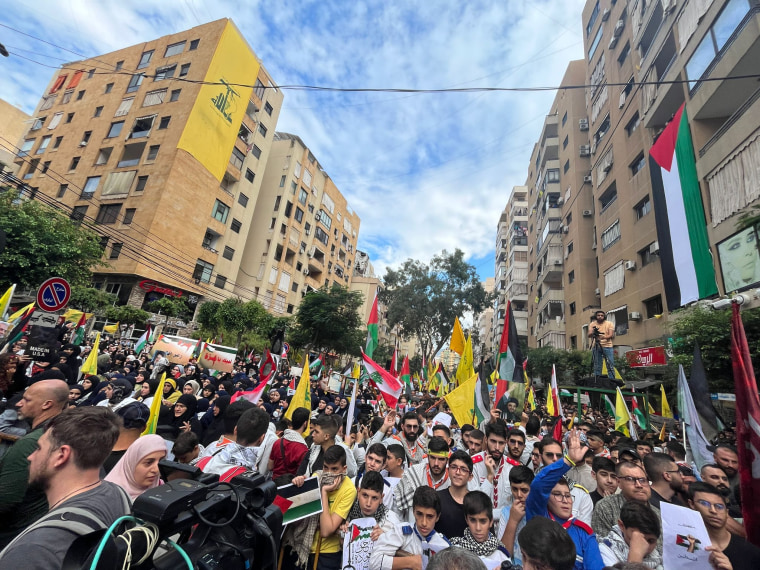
<point>406,377</point>
<point>17,331</point>
<point>372,329</point>
<point>509,366</point>
<point>608,406</point>
<point>198,348</point>
<point>315,368</point>
<point>638,414</point>
<point>297,503</point>
<point>142,342</point>
<point>79,331</point>
<point>390,388</point>
<point>680,217</point>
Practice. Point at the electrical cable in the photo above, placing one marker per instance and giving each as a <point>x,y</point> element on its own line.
<point>107,535</point>
<point>215,486</point>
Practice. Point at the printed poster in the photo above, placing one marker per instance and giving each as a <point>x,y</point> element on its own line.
<point>357,544</point>
<point>684,539</point>
<point>178,349</point>
<point>218,357</point>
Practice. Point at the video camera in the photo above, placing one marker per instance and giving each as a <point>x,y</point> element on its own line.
<point>211,525</point>
<point>595,332</point>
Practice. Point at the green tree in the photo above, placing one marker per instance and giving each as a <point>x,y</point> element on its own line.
<point>208,319</point>
<point>169,307</point>
<point>328,321</point>
<point>90,300</point>
<point>127,315</point>
<point>423,299</point>
<point>247,322</point>
<point>43,243</point>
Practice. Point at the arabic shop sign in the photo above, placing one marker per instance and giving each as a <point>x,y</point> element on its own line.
<point>652,356</point>
<point>153,287</point>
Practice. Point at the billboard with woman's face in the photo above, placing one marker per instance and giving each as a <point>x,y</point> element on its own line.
<point>739,261</point>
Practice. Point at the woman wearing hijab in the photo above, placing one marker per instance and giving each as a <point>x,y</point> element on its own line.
<point>214,428</point>
<point>179,418</point>
<point>191,387</point>
<point>320,408</point>
<point>171,394</point>
<point>146,391</point>
<point>137,471</point>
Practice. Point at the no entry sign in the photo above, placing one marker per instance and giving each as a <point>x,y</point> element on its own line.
<point>53,294</point>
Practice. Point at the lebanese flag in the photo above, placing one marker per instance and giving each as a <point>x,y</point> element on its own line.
<point>390,388</point>
<point>747,427</point>
<point>372,329</point>
<point>687,266</point>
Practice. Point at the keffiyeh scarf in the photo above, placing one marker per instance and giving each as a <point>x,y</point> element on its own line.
<point>480,548</point>
<point>356,513</point>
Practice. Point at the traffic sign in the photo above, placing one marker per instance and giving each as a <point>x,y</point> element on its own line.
<point>53,294</point>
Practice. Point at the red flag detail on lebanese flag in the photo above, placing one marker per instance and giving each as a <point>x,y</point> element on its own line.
<point>747,427</point>
<point>390,388</point>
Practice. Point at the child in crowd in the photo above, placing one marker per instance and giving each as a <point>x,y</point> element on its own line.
<point>633,538</point>
<point>411,546</point>
<point>186,447</point>
<point>603,471</point>
<point>513,515</point>
<point>478,538</point>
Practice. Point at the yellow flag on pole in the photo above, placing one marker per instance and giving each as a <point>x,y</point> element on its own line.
<point>622,417</point>
<point>531,400</point>
<point>356,371</point>
<point>465,368</point>
<point>456,343</point>
<point>155,407</point>
<point>605,372</point>
<point>111,329</point>
<point>302,397</point>
<point>5,301</point>
<point>461,401</point>
<point>90,365</point>
<point>20,313</point>
<point>662,431</point>
<point>666,411</point>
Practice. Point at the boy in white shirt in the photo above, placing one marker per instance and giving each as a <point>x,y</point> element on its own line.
<point>478,538</point>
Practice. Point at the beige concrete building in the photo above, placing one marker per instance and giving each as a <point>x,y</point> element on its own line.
<point>13,124</point>
<point>303,234</point>
<point>152,147</point>
<point>484,325</point>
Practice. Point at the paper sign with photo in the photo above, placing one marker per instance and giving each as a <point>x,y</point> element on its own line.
<point>684,539</point>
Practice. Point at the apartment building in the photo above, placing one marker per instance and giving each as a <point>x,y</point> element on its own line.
<point>484,325</point>
<point>13,124</point>
<point>303,234</point>
<point>161,149</point>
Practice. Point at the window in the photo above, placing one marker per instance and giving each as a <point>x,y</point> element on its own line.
<point>259,89</point>
<point>203,271</point>
<point>115,129</point>
<point>602,130</point>
<point>115,251</point>
<point>321,235</point>
<point>610,235</point>
<point>69,117</point>
<point>571,277</point>
<point>624,53</point>
<point>66,97</point>
<point>572,308</point>
<point>58,141</point>
<point>153,152</point>
<point>643,208</point>
<point>108,214</point>
<point>129,215</point>
<point>109,87</point>
<point>564,119</point>
<point>45,168</point>
<point>43,144</point>
<point>595,43</point>
<point>592,19</point>
<point>62,190</point>
<point>303,195</point>
<point>619,318</point>
<point>569,248</point>
<point>569,218</point>
<point>552,175</point>
<point>262,130</point>
<point>165,72</point>
<point>78,213</point>
<point>74,163</point>
<point>80,95</point>
<point>614,279</point>
<point>47,102</point>
<point>134,82</point>
<point>268,109</point>
<point>124,107</point>
<point>288,207</point>
<point>119,65</point>
<point>647,256</point>
<point>282,181</point>
<point>329,204</point>
<point>243,200</point>
<point>633,124</point>
<point>145,59</point>
<point>174,96</point>
<point>653,307</point>
<point>566,167</point>
<point>220,211</point>
<point>277,204</point>
<point>638,164</point>
<point>299,215</point>
<point>220,281</point>
<point>236,158</point>
<point>175,49</point>
<point>98,111</point>
<point>26,146</point>
<point>54,121</point>
<point>38,122</point>
<point>142,181</point>
<point>564,142</point>
<point>184,70</point>
<point>164,124</point>
<point>194,45</point>
<point>90,186</point>
<point>228,252</point>
<point>90,74</point>
<point>235,226</point>
<point>154,97</point>
<point>324,218</point>
<point>608,197</point>
<point>256,151</point>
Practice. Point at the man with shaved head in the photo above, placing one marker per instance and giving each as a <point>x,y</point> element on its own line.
<point>41,402</point>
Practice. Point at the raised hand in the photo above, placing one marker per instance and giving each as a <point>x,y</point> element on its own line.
<point>575,450</point>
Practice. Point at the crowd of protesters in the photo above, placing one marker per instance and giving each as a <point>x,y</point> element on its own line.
<point>442,495</point>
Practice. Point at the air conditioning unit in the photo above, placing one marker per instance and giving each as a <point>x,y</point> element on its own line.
<point>583,124</point>
<point>593,149</point>
<point>307,232</point>
<point>607,167</point>
<point>565,229</point>
<point>613,42</point>
<point>560,201</point>
<point>303,249</point>
<point>587,178</point>
<point>630,265</point>
<point>588,213</point>
<point>597,292</point>
<point>605,15</point>
<point>584,150</point>
<point>618,28</point>
<point>317,216</point>
<point>634,316</point>
<point>654,249</point>
<point>557,262</point>
<point>305,271</point>
<point>83,143</point>
<point>312,251</point>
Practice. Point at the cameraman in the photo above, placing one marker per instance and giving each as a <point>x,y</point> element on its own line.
<point>601,332</point>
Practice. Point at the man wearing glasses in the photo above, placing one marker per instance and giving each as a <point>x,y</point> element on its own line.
<point>665,478</point>
<point>452,521</point>
<point>583,505</point>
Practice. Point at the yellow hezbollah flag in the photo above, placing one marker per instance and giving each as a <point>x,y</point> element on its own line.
<point>605,373</point>
<point>465,369</point>
<point>531,400</point>
<point>5,300</point>
<point>214,122</point>
<point>155,407</point>
<point>622,417</point>
<point>662,431</point>
<point>73,316</point>
<point>666,412</point>
<point>461,401</point>
<point>302,397</point>
<point>111,329</point>
<point>90,365</point>
<point>356,371</point>
<point>457,337</point>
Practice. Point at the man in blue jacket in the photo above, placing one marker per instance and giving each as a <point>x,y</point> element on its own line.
<point>550,497</point>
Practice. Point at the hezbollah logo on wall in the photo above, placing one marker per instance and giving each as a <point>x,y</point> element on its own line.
<point>214,122</point>
<point>223,102</point>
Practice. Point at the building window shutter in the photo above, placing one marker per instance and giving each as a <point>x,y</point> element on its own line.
<point>125,106</point>
<point>118,184</point>
<point>54,121</point>
<point>76,78</point>
<point>58,83</point>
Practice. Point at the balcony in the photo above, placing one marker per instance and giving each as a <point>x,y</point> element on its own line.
<point>551,272</point>
<point>555,325</point>
<point>552,297</point>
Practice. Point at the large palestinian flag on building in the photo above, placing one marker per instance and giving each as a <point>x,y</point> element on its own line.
<point>680,216</point>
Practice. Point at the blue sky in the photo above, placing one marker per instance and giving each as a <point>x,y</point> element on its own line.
<point>425,172</point>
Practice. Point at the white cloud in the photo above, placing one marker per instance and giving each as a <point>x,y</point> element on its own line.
<point>425,172</point>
